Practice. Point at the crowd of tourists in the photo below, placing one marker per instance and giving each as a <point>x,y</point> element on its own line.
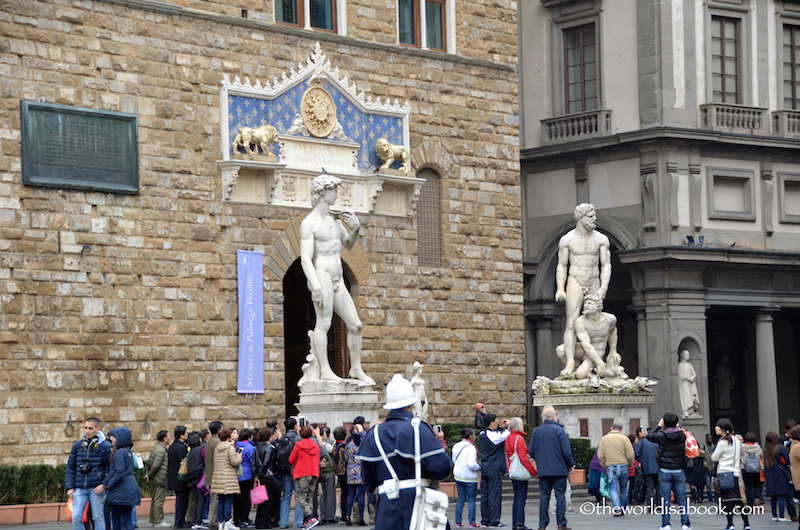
<point>218,474</point>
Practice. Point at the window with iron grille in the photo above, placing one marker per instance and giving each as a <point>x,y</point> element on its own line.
<point>791,67</point>
<point>726,60</point>
<point>429,219</point>
<point>580,68</point>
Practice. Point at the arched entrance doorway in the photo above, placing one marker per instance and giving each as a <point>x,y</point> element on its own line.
<point>298,319</point>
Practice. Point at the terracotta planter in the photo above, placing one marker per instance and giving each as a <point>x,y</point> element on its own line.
<point>578,477</point>
<point>169,505</point>
<point>41,513</point>
<point>62,513</point>
<point>143,510</point>
<point>449,488</point>
<point>12,514</point>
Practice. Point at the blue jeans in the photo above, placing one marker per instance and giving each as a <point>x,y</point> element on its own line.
<point>520,496</point>
<point>286,504</point>
<point>80,496</point>
<point>675,483</point>
<point>491,498</point>
<point>618,484</point>
<point>467,492</point>
<point>224,507</point>
<point>558,486</point>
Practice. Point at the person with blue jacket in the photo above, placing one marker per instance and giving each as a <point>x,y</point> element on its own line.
<point>241,511</point>
<point>646,453</point>
<point>85,477</point>
<point>549,447</point>
<point>123,491</point>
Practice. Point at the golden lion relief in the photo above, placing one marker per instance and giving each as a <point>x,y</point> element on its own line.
<point>262,137</point>
<point>388,153</point>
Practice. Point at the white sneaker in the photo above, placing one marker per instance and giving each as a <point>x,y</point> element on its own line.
<point>785,519</point>
<point>665,527</point>
<point>686,527</point>
<point>776,519</point>
<point>230,526</point>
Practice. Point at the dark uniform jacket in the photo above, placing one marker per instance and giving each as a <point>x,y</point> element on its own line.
<point>397,439</point>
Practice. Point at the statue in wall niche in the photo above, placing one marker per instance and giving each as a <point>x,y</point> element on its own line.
<point>584,268</point>
<point>389,153</point>
<point>251,140</point>
<point>595,331</point>
<point>419,384</point>
<point>622,419</point>
<point>322,235</point>
<point>571,424</point>
<point>724,383</point>
<point>687,387</point>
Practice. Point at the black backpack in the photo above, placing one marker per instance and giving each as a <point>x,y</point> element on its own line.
<point>283,448</point>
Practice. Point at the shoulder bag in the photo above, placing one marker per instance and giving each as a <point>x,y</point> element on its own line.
<point>516,469</point>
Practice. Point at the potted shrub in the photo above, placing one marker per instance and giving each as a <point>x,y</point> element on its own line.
<point>582,453</point>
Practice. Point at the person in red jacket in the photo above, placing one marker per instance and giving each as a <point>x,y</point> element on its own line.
<point>515,444</point>
<point>305,459</point>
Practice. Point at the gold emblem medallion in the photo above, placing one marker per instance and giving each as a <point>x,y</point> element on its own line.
<point>318,111</point>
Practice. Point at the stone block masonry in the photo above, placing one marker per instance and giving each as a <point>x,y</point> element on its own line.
<point>125,306</point>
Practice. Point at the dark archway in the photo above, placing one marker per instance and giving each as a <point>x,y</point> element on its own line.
<point>298,319</point>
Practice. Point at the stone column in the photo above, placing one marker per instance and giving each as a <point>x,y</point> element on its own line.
<point>768,419</point>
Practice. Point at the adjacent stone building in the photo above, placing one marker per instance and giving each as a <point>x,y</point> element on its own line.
<point>679,121</point>
<point>118,299</point>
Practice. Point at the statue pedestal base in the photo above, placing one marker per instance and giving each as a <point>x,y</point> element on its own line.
<point>594,409</point>
<point>335,403</point>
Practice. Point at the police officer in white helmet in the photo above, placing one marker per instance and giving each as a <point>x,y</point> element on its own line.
<point>393,512</point>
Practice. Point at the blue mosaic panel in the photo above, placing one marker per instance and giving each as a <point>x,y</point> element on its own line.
<point>361,127</point>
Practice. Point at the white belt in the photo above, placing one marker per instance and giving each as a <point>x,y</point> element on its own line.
<point>405,484</point>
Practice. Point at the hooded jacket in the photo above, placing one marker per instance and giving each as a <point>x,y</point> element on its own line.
<point>92,456</point>
<point>120,483</point>
<point>671,447</point>
<point>305,459</point>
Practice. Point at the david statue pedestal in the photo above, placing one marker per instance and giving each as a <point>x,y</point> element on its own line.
<point>593,383</point>
<point>324,396</point>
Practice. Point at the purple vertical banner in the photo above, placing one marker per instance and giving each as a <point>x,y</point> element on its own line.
<point>250,378</point>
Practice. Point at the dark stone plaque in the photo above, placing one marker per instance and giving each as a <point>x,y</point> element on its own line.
<point>79,148</point>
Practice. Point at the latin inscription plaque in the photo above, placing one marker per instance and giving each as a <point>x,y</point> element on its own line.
<point>79,148</point>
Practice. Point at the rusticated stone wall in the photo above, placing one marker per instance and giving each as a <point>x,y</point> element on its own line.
<point>141,329</point>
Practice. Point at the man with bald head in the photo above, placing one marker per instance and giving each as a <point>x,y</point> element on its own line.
<point>550,449</point>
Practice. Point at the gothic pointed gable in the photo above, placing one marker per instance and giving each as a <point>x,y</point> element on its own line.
<point>309,120</point>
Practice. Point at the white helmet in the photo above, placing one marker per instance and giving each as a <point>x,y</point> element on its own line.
<point>399,393</point>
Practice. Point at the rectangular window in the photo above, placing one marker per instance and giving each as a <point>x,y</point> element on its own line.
<point>726,60</point>
<point>434,20</point>
<point>409,14</point>
<point>289,12</point>
<point>580,69</point>
<point>322,13</point>
<point>407,21</point>
<point>791,67</point>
